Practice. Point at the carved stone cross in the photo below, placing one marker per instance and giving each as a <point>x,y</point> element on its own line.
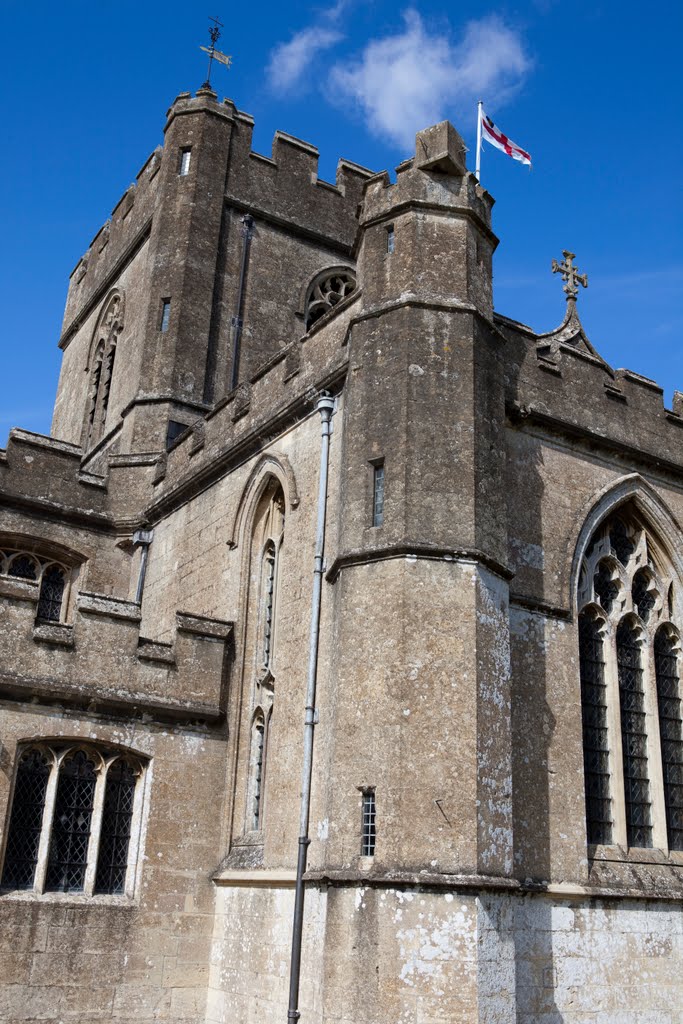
<point>569,275</point>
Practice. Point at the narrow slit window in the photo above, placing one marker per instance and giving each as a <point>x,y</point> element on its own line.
<point>378,495</point>
<point>671,735</point>
<point>595,738</point>
<point>165,315</point>
<point>634,738</point>
<point>369,824</point>
<point>391,240</point>
<point>259,744</point>
<point>184,164</point>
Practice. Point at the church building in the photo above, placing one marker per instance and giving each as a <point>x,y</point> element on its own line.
<point>340,620</point>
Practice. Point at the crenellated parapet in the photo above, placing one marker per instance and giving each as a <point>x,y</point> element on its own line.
<point>100,661</point>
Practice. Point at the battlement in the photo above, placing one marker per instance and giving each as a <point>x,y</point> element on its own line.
<point>101,662</point>
<point>113,246</point>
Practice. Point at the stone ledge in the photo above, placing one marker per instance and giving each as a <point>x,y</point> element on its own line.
<point>268,878</point>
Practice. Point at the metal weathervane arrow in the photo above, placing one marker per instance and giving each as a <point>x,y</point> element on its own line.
<point>214,54</point>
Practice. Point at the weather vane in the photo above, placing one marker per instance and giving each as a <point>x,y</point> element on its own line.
<point>214,54</point>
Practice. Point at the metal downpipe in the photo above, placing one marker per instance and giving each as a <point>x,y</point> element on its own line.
<point>325,407</point>
<point>247,231</point>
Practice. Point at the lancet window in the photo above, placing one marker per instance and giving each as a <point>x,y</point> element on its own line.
<point>267,544</point>
<point>52,578</point>
<point>75,820</point>
<point>629,658</point>
<point>101,368</point>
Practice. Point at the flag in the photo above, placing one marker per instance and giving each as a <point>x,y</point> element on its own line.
<point>490,133</point>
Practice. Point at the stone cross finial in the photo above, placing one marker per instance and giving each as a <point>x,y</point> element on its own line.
<point>569,275</point>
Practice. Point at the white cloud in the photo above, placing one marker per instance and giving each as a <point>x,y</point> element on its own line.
<point>407,81</point>
<point>289,61</point>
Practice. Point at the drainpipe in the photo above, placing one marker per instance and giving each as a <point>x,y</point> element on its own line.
<point>325,407</point>
<point>247,235</point>
<point>142,539</point>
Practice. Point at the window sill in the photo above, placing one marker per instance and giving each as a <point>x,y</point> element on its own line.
<point>74,899</point>
<point>54,633</point>
<point>616,854</point>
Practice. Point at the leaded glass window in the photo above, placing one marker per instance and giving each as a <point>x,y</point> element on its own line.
<point>633,737</point>
<point>628,639</point>
<point>61,794</point>
<point>595,737</point>
<point>51,594</point>
<point>117,816</point>
<point>101,367</point>
<point>368,824</point>
<point>378,494</point>
<point>670,734</point>
<point>26,821</point>
<point>68,858</point>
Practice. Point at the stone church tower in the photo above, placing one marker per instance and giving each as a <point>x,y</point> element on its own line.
<point>313,519</point>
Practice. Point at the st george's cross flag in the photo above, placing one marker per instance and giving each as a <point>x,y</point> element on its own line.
<point>490,133</point>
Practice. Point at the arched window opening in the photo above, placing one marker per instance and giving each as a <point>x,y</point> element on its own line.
<point>595,737</point>
<point>634,737</point>
<point>101,368</point>
<point>26,820</point>
<point>75,820</point>
<point>670,733</point>
<point>50,600</point>
<point>117,817</point>
<point>68,858</point>
<point>54,579</point>
<point>326,292</point>
<point>628,668</point>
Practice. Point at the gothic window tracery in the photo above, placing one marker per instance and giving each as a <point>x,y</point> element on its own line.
<point>101,368</point>
<point>73,820</point>
<point>326,290</point>
<point>630,688</point>
<point>53,577</point>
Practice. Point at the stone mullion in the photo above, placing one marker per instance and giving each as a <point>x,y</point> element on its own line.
<point>95,829</point>
<point>46,827</point>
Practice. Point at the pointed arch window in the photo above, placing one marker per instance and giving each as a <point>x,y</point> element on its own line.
<point>101,368</point>
<point>630,689</point>
<point>75,822</point>
<point>267,546</point>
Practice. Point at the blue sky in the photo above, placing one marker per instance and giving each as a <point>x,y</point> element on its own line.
<point>593,90</point>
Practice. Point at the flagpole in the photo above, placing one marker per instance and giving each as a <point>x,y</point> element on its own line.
<point>477,171</point>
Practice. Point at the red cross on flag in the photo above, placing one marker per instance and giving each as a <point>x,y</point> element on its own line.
<point>489,132</point>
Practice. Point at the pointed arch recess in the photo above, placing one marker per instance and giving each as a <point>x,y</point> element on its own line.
<point>273,465</point>
<point>662,523</point>
<point>109,322</point>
